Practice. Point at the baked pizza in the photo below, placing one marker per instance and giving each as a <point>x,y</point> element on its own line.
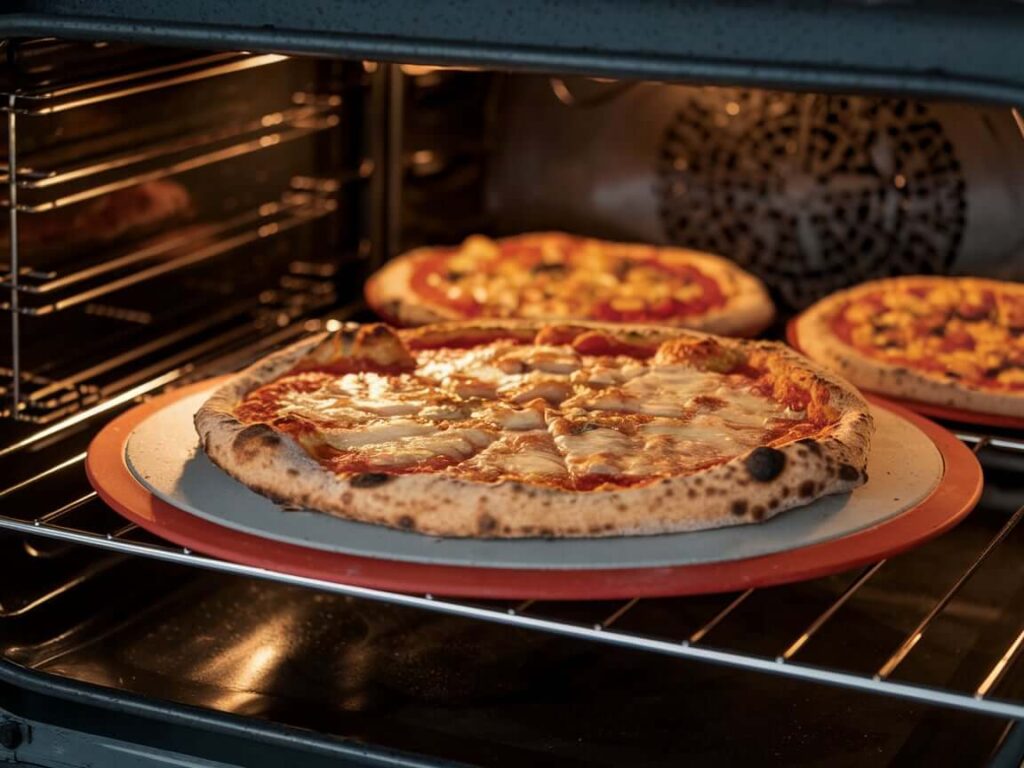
<point>519,428</point>
<point>130,212</point>
<point>956,341</point>
<point>555,276</point>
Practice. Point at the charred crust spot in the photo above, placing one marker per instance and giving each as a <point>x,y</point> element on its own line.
<point>546,532</point>
<point>691,493</point>
<point>773,504</point>
<point>811,444</point>
<point>346,498</point>
<point>739,507</point>
<point>785,491</point>
<point>801,452</point>
<point>849,473</point>
<point>486,523</point>
<point>608,526</point>
<point>250,440</point>
<point>806,489</point>
<point>669,493</point>
<point>293,472</point>
<point>369,479</point>
<point>757,512</point>
<point>765,464</point>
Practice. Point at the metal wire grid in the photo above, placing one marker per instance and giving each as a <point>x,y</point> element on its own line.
<point>117,536</point>
<point>36,293</point>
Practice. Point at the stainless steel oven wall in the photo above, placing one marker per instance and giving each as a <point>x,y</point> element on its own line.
<point>811,191</point>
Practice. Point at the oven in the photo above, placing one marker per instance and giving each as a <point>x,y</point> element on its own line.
<point>191,185</point>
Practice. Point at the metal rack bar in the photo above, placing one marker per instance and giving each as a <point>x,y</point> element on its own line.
<point>699,635</point>
<point>108,89</point>
<point>618,614</point>
<point>915,636</point>
<point>990,441</point>
<point>44,179</point>
<point>77,459</point>
<point>294,218</point>
<point>684,650</point>
<point>1002,666</point>
<point>283,134</point>
<point>188,235</point>
<point>71,506</point>
<point>12,198</point>
<point>829,612</point>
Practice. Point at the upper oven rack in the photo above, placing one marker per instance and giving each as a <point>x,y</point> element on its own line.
<point>80,517</point>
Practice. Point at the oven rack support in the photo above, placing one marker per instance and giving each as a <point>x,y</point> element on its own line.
<point>128,539</point>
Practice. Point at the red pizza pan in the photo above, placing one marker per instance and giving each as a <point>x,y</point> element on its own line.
<point>944,412</point>
<point>947,503</point>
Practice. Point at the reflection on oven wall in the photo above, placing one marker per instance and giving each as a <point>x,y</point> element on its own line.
<point>812,192</point>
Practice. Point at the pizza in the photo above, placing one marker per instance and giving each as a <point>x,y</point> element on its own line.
<point>955,341</point>
<point>129,212</point>
<point>519,428</point>
<point>555,276</point>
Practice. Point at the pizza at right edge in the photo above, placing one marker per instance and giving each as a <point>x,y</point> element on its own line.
<point>952,341</point>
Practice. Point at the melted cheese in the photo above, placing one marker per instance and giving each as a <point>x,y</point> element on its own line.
<point>452,444</point>
<point>376,434</point>
<point>509,411</point>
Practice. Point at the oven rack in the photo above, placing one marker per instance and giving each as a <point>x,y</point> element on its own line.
<point>82,518</point>
<point>50,100</point>
<point>177,155</point>
<point>186,247</point>
<point>306,288</point>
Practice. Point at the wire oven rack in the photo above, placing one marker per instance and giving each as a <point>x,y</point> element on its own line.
<point>82,518</point>
<point>39,182</point>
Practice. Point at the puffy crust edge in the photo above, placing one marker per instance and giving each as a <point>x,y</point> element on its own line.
<point>274,465</point>
<point>748,312</point>
<point>818,341</point>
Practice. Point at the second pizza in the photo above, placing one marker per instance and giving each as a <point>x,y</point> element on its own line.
<point>556,276</point>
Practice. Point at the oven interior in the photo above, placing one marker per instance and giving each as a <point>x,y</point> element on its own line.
<point>176,213</point>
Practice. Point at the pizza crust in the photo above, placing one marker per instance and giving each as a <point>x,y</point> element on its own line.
<point>748,311</point>
<point>820,343</point>
<point>751,487</point>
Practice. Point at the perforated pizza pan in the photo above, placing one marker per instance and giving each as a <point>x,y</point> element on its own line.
<point>146,465</point>
<point>944,412</point>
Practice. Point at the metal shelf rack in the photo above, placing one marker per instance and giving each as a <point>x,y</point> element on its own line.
<point>81,518</point>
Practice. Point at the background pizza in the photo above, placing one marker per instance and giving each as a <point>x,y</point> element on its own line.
<point>525,429</point>
<point>555,276</point>
<point>955,341</point>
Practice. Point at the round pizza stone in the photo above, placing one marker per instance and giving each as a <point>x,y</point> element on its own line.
<point>164,455</point>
